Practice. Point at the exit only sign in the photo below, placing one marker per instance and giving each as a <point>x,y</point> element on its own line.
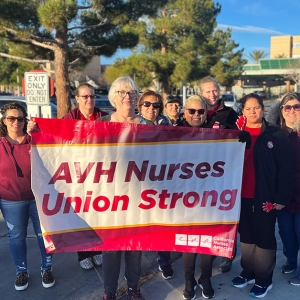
<point>37,88</point>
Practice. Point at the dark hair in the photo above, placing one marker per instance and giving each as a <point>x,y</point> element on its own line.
<point>149,93</point>
<point>82,85</point>
<point>4,109</point>
<point>252,95</point>
<point>286,98</point>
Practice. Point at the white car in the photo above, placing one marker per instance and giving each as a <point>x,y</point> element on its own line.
<point>230,100</point>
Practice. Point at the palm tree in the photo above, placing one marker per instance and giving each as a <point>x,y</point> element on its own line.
<point>282,55</point>
<point>256,55</point>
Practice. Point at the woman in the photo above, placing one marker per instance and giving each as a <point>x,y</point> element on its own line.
<point>150,106</point>
<point>16,198</point>
<point>86,110</point>
<point>266,188</point>
<point>194,115</point>
<point>123,95</point>
<point>289,217</point>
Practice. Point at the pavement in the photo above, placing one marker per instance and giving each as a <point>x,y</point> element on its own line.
<point>72,282</point>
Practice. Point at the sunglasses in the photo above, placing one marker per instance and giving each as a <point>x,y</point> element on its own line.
<point>154,105</point>
<point>288,108</point>
<point>85,97</point>
<point>192,111</point>
<point>13,119</point>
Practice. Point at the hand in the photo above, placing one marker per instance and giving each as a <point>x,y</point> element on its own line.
<point>244,137</point>
<point>32,126</point>
<point>268,206</point>
<point>241,122</point>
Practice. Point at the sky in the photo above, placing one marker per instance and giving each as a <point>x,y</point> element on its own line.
<point>252,23</point>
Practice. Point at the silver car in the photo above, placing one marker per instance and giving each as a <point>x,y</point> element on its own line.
<point>230,100</point>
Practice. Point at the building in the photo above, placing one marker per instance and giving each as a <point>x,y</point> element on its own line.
<point>285,46</point>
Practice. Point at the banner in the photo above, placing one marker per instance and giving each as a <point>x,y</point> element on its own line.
<point>120,186</point>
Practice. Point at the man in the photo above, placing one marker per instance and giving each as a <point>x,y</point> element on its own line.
<point>173,105</point>
<point>218,112</point>
<point>218,116</point>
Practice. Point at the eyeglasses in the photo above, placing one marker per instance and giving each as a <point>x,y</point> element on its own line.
<point>154,105</point>
<point>123,94</point>
<point>12,119</point>
<point>85,97</point>
<point>288,108</point>
<point>192,111</point>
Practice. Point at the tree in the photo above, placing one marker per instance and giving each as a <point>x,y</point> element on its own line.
<point>256,55</point>
<point>230,63</point>
<point>179,45</point>
<point>282,55</point>
<point>69,33</point>
<point>293,71</point>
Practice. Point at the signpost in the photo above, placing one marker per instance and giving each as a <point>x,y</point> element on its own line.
<point>37,88</point>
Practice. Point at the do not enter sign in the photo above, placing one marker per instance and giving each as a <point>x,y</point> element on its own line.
<point>37,88</point>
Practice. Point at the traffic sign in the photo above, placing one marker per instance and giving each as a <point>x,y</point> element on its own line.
<point>37,88</point>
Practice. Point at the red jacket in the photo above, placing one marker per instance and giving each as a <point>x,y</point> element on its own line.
<point>15,170</point>
<point>74,113</point>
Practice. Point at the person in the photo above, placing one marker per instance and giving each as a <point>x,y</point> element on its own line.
<point>194,115</point>
<point>86,110</point>
<point>150,106</point>
<point>266,188</point>
<point>218,116</point>
<point>286,113</point>
<point>217,111</point>
<point>16,198</point>
<point>173,105</point>
<point>123,95</point>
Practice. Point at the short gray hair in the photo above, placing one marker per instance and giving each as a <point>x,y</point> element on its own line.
<point>195,98</point>
<point>121,82</point>
<point>209,79</point>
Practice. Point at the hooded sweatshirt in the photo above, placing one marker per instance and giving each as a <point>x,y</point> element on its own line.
<point>15,170</point>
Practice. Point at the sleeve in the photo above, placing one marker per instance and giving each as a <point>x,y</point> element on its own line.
<point>284,160</point>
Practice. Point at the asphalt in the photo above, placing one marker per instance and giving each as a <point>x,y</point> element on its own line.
<point>72,282</point>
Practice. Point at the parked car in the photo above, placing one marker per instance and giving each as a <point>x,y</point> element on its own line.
<point>32,110</point>
<point>101,102</point>
<point>261,94</point>
<point>230,100</point>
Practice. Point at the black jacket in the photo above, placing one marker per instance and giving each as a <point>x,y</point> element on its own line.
<point>226,116</point>
<point>274,170</point>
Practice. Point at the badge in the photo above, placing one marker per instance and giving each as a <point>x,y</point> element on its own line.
<point>270,145</point>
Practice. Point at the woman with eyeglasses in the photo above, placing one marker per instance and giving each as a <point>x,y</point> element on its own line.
<point>267,186</point>
<point>85,100</point>
<point>150,106</point>
<point>16,198</point>
<point>195,116</point>
<point>123,95</point>
<point>86,110</point>
<point>287,115</point>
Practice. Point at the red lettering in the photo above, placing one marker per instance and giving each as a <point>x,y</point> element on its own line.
<point>133,168</point>
<point>185,168</point>
<point>217,166</point>
<point>87,202</point>
<point>172,170</point>
<point>151,201</point>
<point>96,203</point>
<point>57,207</point>
<point>202,169</point>
<point>186,199</point>
<point>110,172</point>
<point>161,174</point>
<point>175,197</point>
<point>62,173</point>
<point>69,200</point>
<point>230,202</point>
<point>214,198</point>
<point>82,176</point>
<point>162,199</point>
<point>116,201</point>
